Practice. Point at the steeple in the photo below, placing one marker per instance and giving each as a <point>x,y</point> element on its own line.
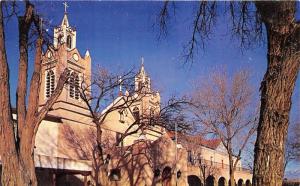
<point>65,19</point>
<point>142,81</point>
<point>142,70</point>
<point>65,34</point>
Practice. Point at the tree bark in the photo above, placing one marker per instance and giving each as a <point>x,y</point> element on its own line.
<point>231,170</point>
<point>17,139</point>
<point>99,169</point>
<point>17,169</point>
<point>276,91</point>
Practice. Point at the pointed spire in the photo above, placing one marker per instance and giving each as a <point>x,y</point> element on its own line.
<point>142,70</point>
<point>142,79</point>
<point>87,53</point>
<point>65,20</point>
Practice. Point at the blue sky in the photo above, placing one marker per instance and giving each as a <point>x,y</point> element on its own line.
<point>117,34</point>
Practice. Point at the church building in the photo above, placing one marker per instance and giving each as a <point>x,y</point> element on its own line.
<point>67,136</point>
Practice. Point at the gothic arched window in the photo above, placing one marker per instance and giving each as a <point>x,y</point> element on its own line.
<point>69,41</point>
<point>50,83</point>
<point>74,86</point>
<point>136,114</point>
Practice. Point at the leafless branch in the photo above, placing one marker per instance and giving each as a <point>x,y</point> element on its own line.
<point>246,24</point>
<point>222,106</point>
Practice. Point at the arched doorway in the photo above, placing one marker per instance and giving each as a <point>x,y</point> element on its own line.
<point>248,183</point>
<point>210,180</point>
<point>194,180</point>
<point>222,181</point>
<point>240,182</point>
<point>166,176</point>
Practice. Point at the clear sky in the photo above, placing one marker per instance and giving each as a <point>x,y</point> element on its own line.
<point>117,34</point>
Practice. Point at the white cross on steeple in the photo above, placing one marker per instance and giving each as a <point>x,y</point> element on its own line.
<point>66,6</point>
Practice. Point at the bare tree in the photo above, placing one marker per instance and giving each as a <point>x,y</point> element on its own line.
<point>103,95</point>
<point>207,170</point>
<point>223,108</point>
<point>195,144</point>
<point>18,136</point>
<point>282,30</point>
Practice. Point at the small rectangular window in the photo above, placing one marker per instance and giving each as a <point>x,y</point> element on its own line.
<point>122,117</point>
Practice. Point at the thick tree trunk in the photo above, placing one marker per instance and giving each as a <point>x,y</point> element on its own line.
<point>17,170</point>
<point>99,170</point>
<point>276,91</point>
<point>231,171</point>
<point>17,139</point>
<point>17,165</point>
<point>273,124</point>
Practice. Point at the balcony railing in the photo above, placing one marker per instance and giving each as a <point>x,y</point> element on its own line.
<point>218,165</point>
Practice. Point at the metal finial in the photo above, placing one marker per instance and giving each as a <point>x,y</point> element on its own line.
<point>142,59</point>
<point>66,6</point>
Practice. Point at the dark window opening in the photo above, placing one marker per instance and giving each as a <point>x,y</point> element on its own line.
<point>69,41</point>
<point>59,39</point>
<point>156,172</point>
<point>115,174</point>
<point>122,116</point>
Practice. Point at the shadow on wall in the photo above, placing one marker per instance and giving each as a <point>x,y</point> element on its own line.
<point>77,143</point>
<point>125,165</point>
<point>136,163</point>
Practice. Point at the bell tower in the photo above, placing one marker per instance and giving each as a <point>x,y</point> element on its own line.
<point>149,103</point>
<point>65,34</point>
<point>55,60</point>
<point>142,80</point>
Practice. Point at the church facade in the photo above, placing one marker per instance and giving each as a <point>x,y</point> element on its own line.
<point>67,136</point>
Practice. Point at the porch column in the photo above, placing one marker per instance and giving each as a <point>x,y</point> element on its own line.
<point>54,179</point>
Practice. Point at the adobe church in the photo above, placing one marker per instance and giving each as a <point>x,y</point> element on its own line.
<point>67,136</point>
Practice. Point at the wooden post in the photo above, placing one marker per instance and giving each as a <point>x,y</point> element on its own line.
<point>85,180</point>
<point>54,179</point>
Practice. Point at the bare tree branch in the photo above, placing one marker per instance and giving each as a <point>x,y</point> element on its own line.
<point>222,106</point>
